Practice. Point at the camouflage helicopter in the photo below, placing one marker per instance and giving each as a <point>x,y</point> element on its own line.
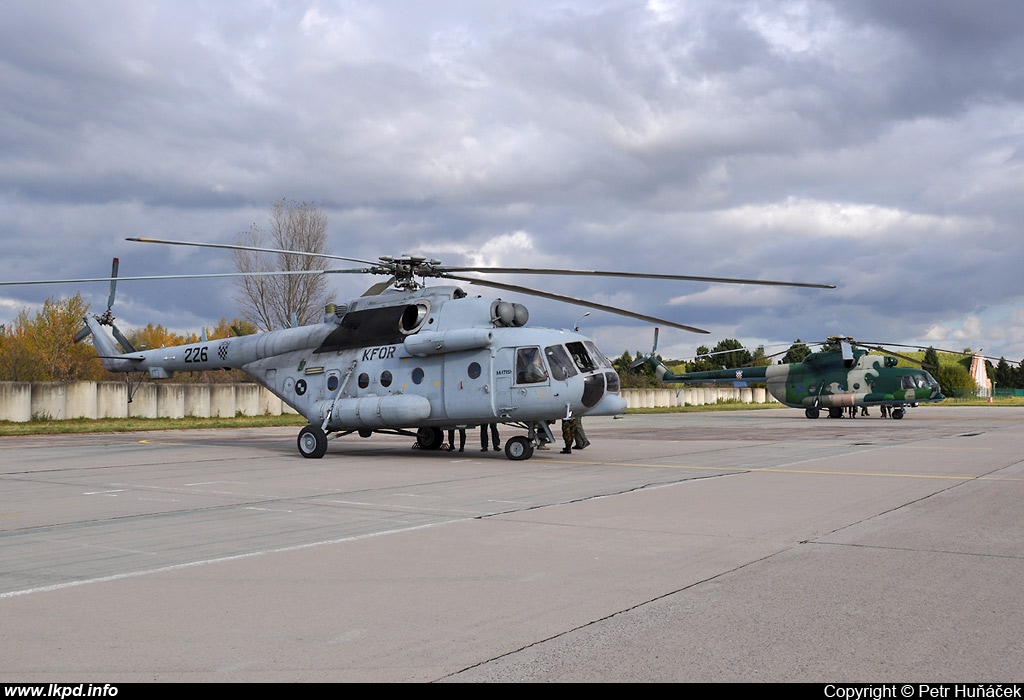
<point>839,376</point>
<point>406,358</point>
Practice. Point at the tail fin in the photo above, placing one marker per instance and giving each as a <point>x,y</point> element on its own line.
<point>660,370</point>
<point>112,358</point>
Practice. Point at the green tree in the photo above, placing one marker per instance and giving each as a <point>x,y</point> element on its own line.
<point>1003,376</point>
<point>640,377</point>
<point>956,381</point>
<point>798,351</point>
<point>731,353</point>
<point>931,360</point>
<point>760,358</point>
<point>701,361</point>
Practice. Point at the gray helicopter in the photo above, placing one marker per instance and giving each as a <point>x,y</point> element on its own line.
<point>408,359</point>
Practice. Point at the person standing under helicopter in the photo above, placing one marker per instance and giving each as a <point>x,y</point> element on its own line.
<point>451,439</point>
<point>580,439</point>
<point>569,433</point>
<point>494,436</point>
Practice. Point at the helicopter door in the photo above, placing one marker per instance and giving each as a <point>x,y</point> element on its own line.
<point>467,379</point>
<point>503,373</point>
<point>527,384</point>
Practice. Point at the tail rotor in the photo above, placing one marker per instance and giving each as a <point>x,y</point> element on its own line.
<point>643,358</point>
<point>107,317</point>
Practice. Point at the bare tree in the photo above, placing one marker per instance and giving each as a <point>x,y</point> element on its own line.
<point>271,302</point>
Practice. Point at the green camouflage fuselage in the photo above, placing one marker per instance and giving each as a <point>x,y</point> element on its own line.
<point>826,379</point>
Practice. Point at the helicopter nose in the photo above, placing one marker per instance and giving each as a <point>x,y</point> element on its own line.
<point>609,405</point>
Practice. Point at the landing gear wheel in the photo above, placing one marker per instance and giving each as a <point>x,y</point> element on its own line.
<point>812,412</point>
<point>429,438</point>
<point>518,448</point>
<point>835,412</point>
<point>897,413</point>
<point>312,442</point>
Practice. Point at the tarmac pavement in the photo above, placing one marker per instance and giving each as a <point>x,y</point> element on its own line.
<point>735,546</point>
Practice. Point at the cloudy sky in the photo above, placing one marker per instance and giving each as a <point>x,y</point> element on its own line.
<point>874,145</point>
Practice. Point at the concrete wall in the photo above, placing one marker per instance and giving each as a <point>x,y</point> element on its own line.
<point>693,396</point>
<point>23,401</point>
<point>16,401</point>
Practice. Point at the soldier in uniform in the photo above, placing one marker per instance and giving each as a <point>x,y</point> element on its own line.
<point>568,434</point>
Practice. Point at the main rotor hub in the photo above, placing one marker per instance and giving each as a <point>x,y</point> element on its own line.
<point>406,268</point>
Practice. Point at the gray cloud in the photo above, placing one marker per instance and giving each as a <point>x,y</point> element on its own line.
<point>873,145</point>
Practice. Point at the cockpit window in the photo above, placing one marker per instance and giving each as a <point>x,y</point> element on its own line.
<point>530,366</point>
<point>580,357</point>
<point>917,381</point>
<point>558,359</point>
<point>598,356</point>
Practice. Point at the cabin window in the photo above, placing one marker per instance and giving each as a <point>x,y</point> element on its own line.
<point>364,380</point>
<point>417,376</point>
<point>558,359</point>
<point>530,366</point>
<point>473,370</point>
<point>386,379</point>
<point>333,382</point>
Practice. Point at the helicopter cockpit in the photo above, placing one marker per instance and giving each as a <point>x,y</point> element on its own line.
<point>919,381</point>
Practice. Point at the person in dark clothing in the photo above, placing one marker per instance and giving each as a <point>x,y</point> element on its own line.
<point>494,436</point>
<point>451,439</point>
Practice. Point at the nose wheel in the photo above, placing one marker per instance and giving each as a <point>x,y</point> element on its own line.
<point>518,448</point>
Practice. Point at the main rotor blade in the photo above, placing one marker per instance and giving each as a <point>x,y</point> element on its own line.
<point>82,334</point>
<point>912,360</point>
<point>882,346</point>
<point>83,280</point>
<point>378,288</point>
<point>255,249</point>
<point>632,275</point>
<point>573,300</point>
<point>119,336</point>
<point>113,283</point>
